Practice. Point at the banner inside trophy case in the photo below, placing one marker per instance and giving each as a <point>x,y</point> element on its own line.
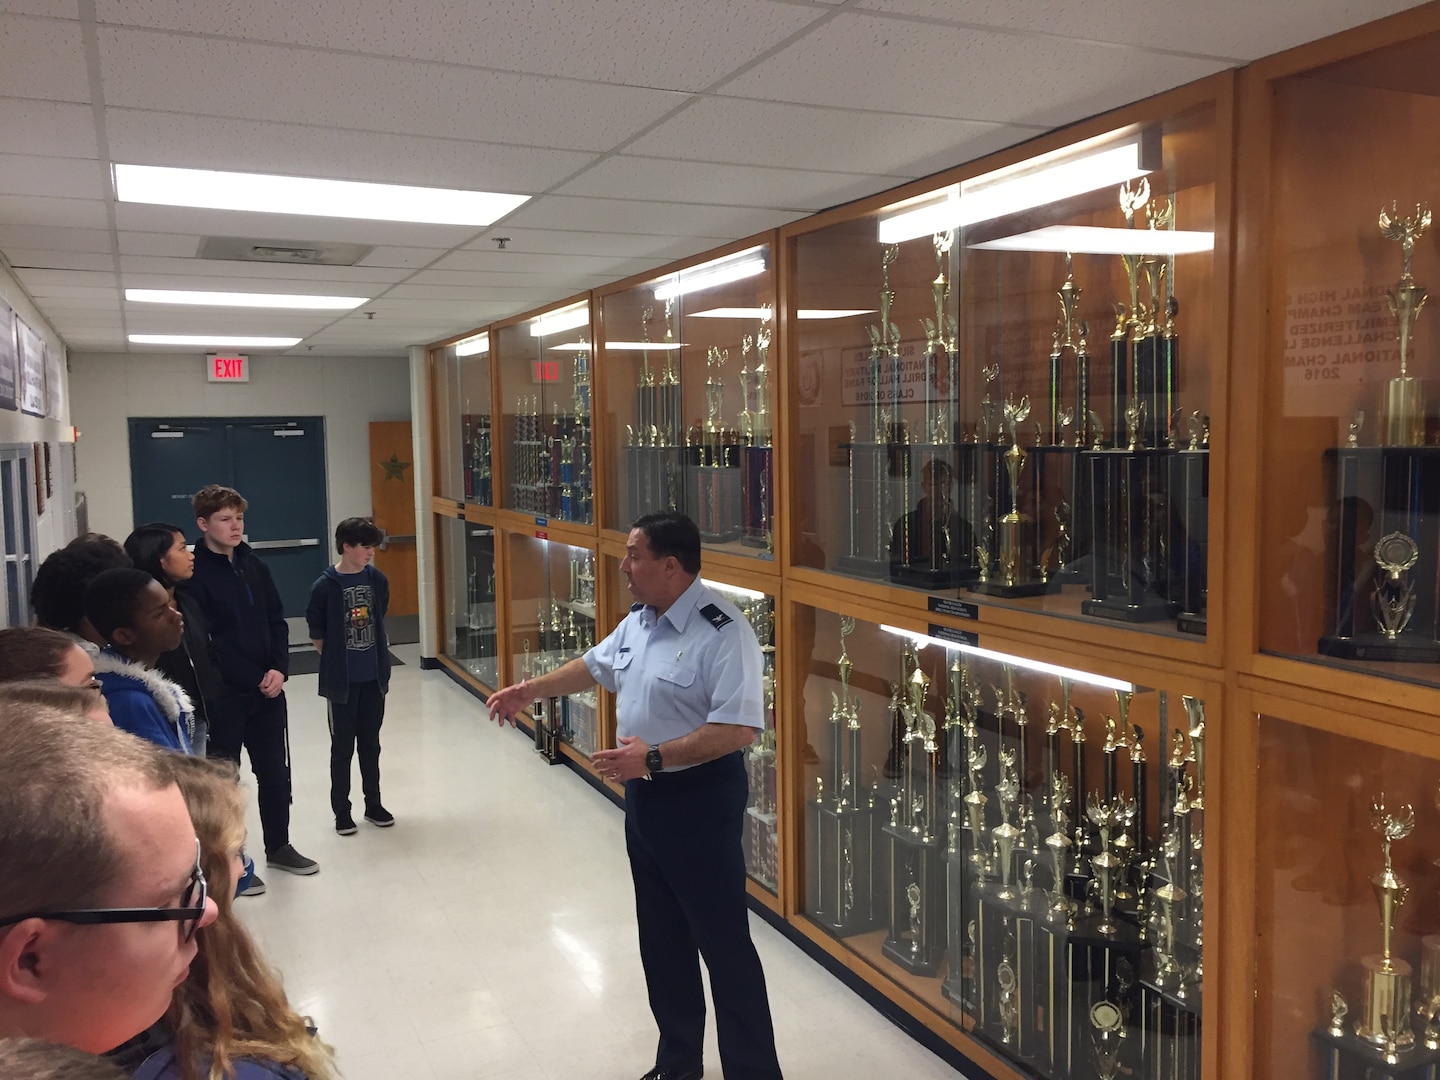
<point>545,394</point>
<point>996,401</point>
<point>1347,917</point>
<point>552,621</point>
<point>688,364</point>
<point>1350,491</point>
<point>467,563</point>
<point>473,361</point>
<point>1019,845</point>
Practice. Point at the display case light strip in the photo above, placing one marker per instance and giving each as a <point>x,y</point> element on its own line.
<point>764,313</point>
<point>708,275</point>
<point>557,322</point>
<point>473,346</point>
<point>736,590</point>
<point>1111,159</point>
<point>1095,240</point>
<point>623,346</point>
<point>1089,678</point>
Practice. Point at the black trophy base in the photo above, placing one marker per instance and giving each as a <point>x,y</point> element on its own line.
<point>1148,610</point>
<point>859,566</point>
<point>1351,1056</point>
<point>725,536</point>
<point>750,540</point>
<point>1188,622</point>
<point>1019,590</point>
<point>932,577</point>
<point>1379,647</point>
<point>914,960</point>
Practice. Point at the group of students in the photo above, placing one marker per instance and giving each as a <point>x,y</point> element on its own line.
<point>182,656</point>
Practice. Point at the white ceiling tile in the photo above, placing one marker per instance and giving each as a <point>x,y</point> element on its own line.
<point>36,281</point>
<point>151,70</point>
<point>562,242</point>
<point>408,258</point>
<point>717,222</point>
<point>213,142</point>
<point>59,260</point>
<point>43,59</point>
<point>57,177</point>
<point>633,42</point>
<point>150,273</point>
<point>462,293</point>
<point>1240,29</point>
<point>53,9</point>
<point>808,137</point>
<point>286,228</point>
<point>40,210</point>
<point>92,293</point>
<point>54,238</point>
<point>61,128</point>
<point>862,61</point>
<point>176,245</point>
<point>221,322</point>
<point>665,179</point>
<point>520,262</point>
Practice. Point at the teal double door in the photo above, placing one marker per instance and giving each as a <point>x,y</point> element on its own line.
<point>277,463</point>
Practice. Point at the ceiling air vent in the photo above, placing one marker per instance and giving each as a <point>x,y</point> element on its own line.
<point>303,252</point>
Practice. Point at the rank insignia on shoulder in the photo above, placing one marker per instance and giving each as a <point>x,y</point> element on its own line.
<point>715,617</point>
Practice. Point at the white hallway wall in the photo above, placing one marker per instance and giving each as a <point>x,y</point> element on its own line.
<point>107,389</point>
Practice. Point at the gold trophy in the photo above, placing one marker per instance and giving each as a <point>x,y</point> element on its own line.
<point>1384,1020</point>
<point>1404,397</point>
<point>1014,557</point>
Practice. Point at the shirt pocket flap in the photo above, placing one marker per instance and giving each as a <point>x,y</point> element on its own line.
<point>622,660</point>
<point>677,675</point>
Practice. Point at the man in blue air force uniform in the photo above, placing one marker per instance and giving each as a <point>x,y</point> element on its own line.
<point>686,670</point>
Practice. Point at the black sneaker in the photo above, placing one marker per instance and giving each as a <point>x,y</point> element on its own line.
<point>255,888</point>
<point>291,861</point>
<point>345,825</point>
<point>378,815</point>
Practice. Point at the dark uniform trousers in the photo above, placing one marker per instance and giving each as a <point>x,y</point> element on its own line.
<point>683,832</point>
<point>261,726</point>
<point>355,726</point>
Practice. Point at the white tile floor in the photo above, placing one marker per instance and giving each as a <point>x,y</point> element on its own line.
<point>491,932</point>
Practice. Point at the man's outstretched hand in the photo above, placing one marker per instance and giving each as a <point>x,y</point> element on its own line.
<point>507,704</point>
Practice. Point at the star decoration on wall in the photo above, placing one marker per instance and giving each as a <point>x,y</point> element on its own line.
<point>394,468</point>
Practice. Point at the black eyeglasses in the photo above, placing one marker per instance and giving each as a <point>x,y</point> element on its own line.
<point>188,914</point>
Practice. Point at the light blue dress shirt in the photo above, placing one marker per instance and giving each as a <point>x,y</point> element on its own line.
<point>699,663</point>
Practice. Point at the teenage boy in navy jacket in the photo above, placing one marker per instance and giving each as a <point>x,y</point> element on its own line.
<point>346,616</point>
<point>252,649</point>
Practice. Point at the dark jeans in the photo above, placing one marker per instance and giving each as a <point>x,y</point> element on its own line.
<point>355,725</point>
<point>682,831</point>
<point>261,726</point>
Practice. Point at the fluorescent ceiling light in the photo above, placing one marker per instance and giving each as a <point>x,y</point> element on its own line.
<point>639,346</point>
<point>267,194</point>
<point>1073,170</point>
<point>1075,674</point>
<point>557,322</point>
<point>764,314</point>
<point>708,275</point>
<point>219,341</point>
<point>473,346</point>
<point>1093,240</point>
<point>243,299</point>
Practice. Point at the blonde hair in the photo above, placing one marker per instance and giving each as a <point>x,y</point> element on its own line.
<point>233,1004</point>
<point>56,770</point>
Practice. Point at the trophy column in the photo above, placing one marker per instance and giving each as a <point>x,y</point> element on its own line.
<point>842,819</point>
<point>1189,544</point>
<point>757,478</point>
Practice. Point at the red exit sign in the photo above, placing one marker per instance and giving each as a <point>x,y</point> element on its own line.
<point>543,371</point>
<point>223,367</point>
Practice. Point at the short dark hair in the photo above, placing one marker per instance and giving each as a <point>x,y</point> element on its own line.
<point>148,545</point>
<point>212,498</point>
<point>58,591</point>
<point>111,599</point>
<point>669,533</point>
<point>33,652</point>
<point>357,530</point>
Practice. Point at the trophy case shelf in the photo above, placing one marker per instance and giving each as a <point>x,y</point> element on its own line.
<point>1006,396</point>
<point>1346,360</point>
<point>544,363</point>
<point>1017,846</point>
<point>688,361</point>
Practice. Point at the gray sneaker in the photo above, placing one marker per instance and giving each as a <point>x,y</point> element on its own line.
<point>291,861</point>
